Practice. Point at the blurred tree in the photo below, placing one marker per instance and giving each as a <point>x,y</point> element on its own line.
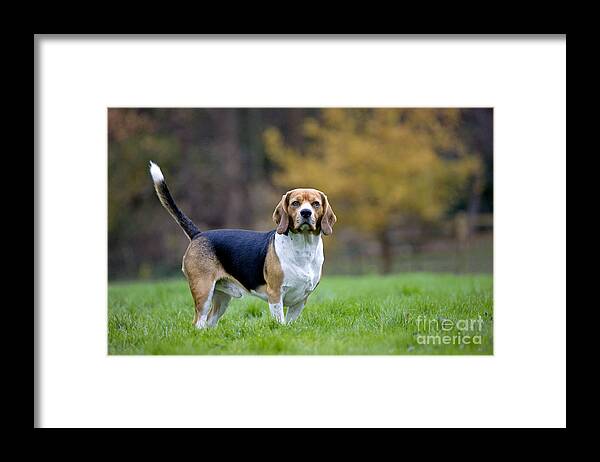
<point>381,168</point>
<point>221,175</point>
<point>226,145</point>
<point>477,132</point>
<point>133,140</point>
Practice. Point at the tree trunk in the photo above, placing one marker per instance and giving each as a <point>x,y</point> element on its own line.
<point>474,203</point>
<point>295,119</point>
<point>387,258</point>
<point>255,145</point>
<point>227,144</point>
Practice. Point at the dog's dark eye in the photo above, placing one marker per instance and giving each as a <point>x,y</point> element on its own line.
<point>295,204</point>
<point>316,205</point>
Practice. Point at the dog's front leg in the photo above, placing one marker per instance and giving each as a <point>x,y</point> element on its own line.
<point>277,311</point>
<point>275,299</point>
<point>274,278</point>
<point>294,311</point>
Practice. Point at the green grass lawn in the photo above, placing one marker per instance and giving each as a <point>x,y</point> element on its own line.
<point>416,313</point>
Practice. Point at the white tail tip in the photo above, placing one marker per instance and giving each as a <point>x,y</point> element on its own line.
<point>157,175</point>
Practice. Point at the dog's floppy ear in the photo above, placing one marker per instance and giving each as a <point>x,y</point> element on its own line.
<point>280,216</point>
<point>329,217</point>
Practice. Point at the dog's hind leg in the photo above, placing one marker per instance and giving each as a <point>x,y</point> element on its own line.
<point>220,301</point>
<point>202,291</point>
<point>201,269</point>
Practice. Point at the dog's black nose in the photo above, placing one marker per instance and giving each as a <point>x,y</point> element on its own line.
<point>305,213</point>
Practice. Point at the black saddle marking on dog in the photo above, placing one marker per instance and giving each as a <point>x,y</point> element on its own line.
<point>242,253</point>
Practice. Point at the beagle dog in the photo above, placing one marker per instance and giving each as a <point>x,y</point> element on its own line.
<point>282,266</point>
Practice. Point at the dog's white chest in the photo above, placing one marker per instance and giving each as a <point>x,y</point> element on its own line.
<point>301,258</point>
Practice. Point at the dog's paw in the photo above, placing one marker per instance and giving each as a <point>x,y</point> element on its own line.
<point>201,323</point>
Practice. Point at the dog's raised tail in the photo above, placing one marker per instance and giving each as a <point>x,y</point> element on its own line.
<point>160,185</point>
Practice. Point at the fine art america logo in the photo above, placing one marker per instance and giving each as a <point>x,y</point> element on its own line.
<point>449,332</point>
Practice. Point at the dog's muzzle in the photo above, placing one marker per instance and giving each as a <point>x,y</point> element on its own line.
<point>306,218</point>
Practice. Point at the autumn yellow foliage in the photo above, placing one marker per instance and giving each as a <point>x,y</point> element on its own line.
<point>379,167</point>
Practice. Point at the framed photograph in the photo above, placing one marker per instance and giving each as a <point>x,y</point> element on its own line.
<point>409,192</point>
<point>330,231</point>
